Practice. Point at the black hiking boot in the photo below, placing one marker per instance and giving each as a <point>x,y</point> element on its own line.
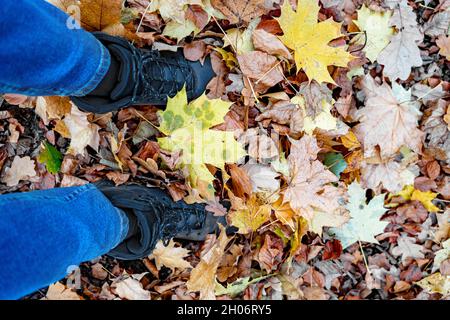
<point>153,216</point>
<point>140,76</point>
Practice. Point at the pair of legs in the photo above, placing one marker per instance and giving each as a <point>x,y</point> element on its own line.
<point>42,233</point>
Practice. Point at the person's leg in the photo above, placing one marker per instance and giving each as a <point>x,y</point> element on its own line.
<point>42,54</point>
<point>42,233</point>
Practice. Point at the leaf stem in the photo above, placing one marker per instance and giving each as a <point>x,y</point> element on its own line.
<point>364,258</point>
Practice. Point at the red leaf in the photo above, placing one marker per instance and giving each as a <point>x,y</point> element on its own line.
<point>333,250</point>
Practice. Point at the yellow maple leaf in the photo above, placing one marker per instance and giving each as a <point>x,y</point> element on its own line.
<point>377,29</point>
<point>323,120</point>
<point>425,197</point>
<point>309,39</point>
<point>250,215</point>
<point>187,129</point>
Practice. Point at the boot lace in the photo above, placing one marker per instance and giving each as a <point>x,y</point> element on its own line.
<point>159,77</point>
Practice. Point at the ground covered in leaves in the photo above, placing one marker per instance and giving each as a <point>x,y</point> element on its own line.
<point>327,128</point>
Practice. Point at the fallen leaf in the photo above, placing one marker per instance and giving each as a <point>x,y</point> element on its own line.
<point>98,14</point>
<point>388,174</point>
<point>203,276</point>
<point>250,215</point>
<point>310,187</point>
<point>170,256</point>
<point>130,289</point>
<point>197,15</point>
<point>82,132</point>
<point>55,107</point>
<point>388,120</point>
<point>242,187</point>
<point>195,50</point>
<point>441,255</point>
<point>187,127</point>
<point>402,53</point>
<point>21,169</point>
<point>269,43</point>
<point>238,11</point>
<point>117,177</point>
<point>377,29</point>
<point>270,254</point>
<point>364,223</point>
<point>436,283</point>
<point>309,39</point>
<point>425,197</point>
<point>437,133</point>
<point>51,157</point>
<point>58,291</point>
<point>262,67</point>
<point>443,42</point>
<point>262,177</point>
<point>438,25</point>
<point>407,248</point>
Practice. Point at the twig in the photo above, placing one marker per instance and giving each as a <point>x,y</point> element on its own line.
<point>364,258</point>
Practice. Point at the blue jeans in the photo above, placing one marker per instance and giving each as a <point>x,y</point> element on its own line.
<point>43,233</point>
<point>41,54</point>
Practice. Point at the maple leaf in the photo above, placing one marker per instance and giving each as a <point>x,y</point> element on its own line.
<point>21,169</point>
<point>203,276</point>
<point>249,216</point>
<point>437,132</point>
<point>309,40</point>
<point>81,132</point>
<point>390,174</point>
<point>170,256</point>
<point>176,14</point>
<point>131,289</point>
<point>378,31</point>
<point>425,197</point>
<point>441,255</point>
<point>261,66</point>
<point>443,42</point>
<point>436,283</point>
<point>95,15</point>
<point>364,223</point>
<point>187,129</point>
<point>402,53</point>
<point>388,120</point>
<point>55,107</point>
<point>238,11</point>
<point>408,248</point>
<point>310,187</point>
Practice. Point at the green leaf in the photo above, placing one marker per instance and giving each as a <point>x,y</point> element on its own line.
<point>364,223</point>
<point>187,128</point>
<point>51,157</point>
<point>335,163</point>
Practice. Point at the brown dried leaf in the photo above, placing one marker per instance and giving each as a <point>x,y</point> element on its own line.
<point>269,43</point>
<point>262,67</point>
<point>238,11</point>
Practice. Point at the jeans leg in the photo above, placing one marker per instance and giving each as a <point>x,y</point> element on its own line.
<point>42,54</point>
<point>42,233</point>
